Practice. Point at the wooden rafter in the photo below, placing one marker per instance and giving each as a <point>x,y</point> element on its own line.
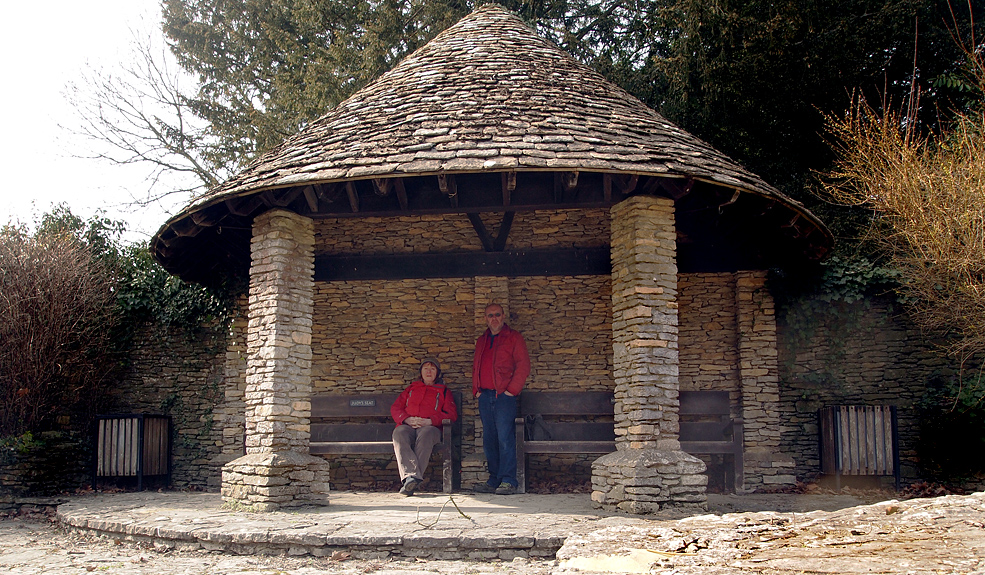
<point>449,187</point>
<point>489,243</point>
<point>243,206</point>
<point>280,198</point>
<point>509,185</point>
<point>311,198</point>
<point>382,186</point>
<point>398,185</point>
<point>350,190</point>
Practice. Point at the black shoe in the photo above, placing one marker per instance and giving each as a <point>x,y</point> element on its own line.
<point>483,488</point>
<point>409,486</point>
<point>505,489</point>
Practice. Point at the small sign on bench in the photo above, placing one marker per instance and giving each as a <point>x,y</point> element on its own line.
<point>362,403</point>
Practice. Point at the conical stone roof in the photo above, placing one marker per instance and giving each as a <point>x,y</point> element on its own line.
<point>486,95</point>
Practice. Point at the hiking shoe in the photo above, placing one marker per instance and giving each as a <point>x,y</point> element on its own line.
<point>505,489</point>
<point>409,486</point>
<point>483,488</point>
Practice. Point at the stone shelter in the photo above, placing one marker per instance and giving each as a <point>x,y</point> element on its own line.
<point>490,166</point>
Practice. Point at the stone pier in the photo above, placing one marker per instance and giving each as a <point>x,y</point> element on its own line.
<point>277,470</point>
<point>765,464</point>
<point>648,471</point>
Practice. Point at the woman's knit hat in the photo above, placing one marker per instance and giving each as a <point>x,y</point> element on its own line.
<point>432,361</point>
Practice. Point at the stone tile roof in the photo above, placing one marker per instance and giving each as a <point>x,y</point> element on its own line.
<point>488,94</point>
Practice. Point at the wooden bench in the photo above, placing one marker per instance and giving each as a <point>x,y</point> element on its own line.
<point>565,436</point>
<point>362,425</point>
<point>706,426</point>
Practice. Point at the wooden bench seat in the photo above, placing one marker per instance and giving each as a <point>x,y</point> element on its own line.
<point>706,426</point>
<point>362,425</point>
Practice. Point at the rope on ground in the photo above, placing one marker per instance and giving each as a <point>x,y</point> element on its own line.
<point>438,517</point>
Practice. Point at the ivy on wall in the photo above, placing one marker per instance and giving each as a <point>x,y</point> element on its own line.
<point>835,295</point>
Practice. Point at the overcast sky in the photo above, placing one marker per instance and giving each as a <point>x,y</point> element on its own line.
<point>46,44</point>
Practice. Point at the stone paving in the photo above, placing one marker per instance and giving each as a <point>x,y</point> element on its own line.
<point>366,525</point>
<point>192,533</point>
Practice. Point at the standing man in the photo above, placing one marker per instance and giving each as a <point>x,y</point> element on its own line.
<point>499,371</point>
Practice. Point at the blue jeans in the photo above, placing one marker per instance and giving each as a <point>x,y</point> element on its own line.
<point>498,415</point>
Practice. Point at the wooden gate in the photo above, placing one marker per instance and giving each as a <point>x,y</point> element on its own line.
<point>859,440</point>
<point>134,445</point>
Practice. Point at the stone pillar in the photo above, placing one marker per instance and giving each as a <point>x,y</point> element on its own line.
<point>277,470</point>
<point>488,289</point>
<point>648,471</point>
<point>760,384</point>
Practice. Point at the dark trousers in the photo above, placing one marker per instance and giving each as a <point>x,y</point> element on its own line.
<point>498,415</point>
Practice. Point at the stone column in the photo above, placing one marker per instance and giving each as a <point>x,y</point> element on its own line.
<point>760,384</point>
<point>277,470</point>
<point>648,471</point>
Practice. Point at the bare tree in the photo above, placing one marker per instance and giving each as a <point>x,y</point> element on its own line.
<point>928,196</point>
<point>55,302</point>
<point>141,115</point>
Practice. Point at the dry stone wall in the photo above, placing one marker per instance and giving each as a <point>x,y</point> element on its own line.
<point>866,354</point>
<point>180,373</point>
<point>708,333</point>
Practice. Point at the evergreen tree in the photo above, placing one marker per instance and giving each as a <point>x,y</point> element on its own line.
<point>752,77</point>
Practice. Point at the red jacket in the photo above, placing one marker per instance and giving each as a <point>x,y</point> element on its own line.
<point>422,400</point>
<point>511,362</point>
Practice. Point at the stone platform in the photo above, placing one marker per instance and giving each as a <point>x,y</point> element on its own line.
<point>377,525</point>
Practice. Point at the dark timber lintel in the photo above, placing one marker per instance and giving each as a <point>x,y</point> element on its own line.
<point>561,262</point>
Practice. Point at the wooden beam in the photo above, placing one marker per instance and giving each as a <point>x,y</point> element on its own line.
<point>311,197</point>
<point>607,188</point>
<point>243,207</point>
<point>449,187</point>
<point>677,188</point>
<point>398,184</point>
<point>509,185</point>
<point>480,230</point>
<point>186,228</point>
<point>280,199</point>
<point>209,217</point>
<point>328,193</point>
<point>504,232</point>
<point>628,184</point>
<point>570,180</point>
<point>554,262</point>
<point>382,186</point>
<point>350,189</point>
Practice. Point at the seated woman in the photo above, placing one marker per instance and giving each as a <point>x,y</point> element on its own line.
<point>418,412</point>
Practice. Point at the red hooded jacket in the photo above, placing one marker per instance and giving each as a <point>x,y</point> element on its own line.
<point>421,400</point>
<point>511,362</point>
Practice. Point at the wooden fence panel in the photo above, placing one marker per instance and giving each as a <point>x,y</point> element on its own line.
<point>859,440</point>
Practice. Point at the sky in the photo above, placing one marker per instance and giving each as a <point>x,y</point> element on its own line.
<point>45,44</point>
